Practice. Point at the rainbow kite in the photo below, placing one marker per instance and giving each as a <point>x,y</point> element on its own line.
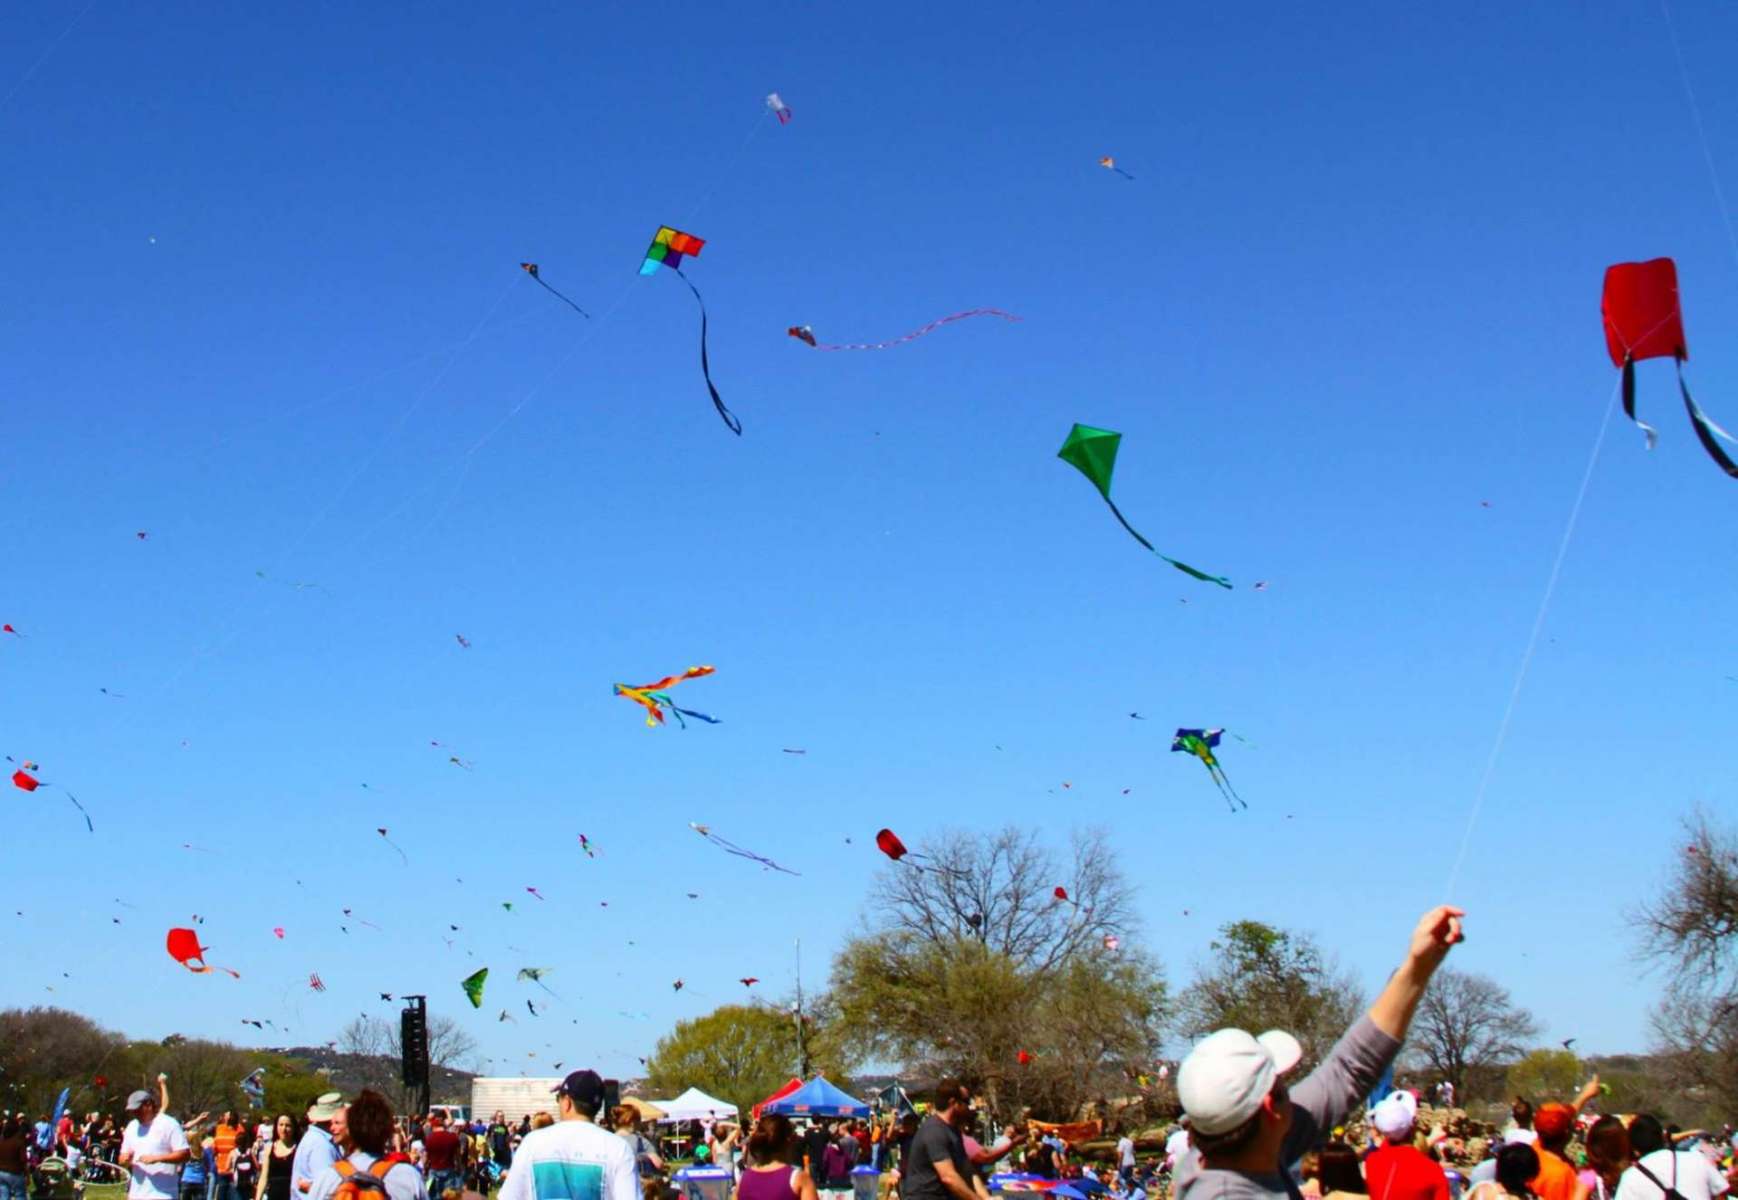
<point>668,248</point>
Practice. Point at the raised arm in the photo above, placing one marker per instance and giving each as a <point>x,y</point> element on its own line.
<point>1438,930</point>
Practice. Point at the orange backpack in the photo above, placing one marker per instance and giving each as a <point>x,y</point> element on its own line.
<point>364,1185</point>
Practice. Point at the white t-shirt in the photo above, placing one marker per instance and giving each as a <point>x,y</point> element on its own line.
<point>1176,1146</point>
<point>1689,1173</point>
<point>572,1160</point>
<point>1125,1152</point>
<point>402,1181</point>
<point>158,1180</point>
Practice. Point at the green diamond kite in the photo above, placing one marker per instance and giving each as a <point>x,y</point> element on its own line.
<point>473,986</point>
<point>1092,452</point>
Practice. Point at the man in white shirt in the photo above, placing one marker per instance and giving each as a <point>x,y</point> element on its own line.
<point>318,1148</point>
<point>573,1159</point>
<point>1125,1159</point>
<point>1659,1168</point>
<point>153,1149</point>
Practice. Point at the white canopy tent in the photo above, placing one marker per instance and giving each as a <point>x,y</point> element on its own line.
<point>694,1105</point>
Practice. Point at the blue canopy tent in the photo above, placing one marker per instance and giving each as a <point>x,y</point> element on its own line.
<point>818,1098</point>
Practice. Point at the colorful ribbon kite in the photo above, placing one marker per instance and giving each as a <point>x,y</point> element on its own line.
<point>778,108</point>
<point>730,847</point>
<point>668,248</point>
<point>1643,320</point>
<point>652,697</point>
<point>1109,164</point>
<point>1093,453</point>
<point>805,333</point>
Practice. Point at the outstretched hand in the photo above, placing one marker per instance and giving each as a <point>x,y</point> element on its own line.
<point>1437,931</point>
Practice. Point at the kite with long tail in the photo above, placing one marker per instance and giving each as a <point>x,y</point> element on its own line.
<point>1109,164</point>
<point>29,783</point>
<point>1200,743</point>
<point>730,847</point>
<point>531,270</point>
<point>668,248</point>
<point>183,946</point>
<point>1093,453</point>
<point>889,844</point>
<point>535,975</point>
<point>1643,320</point>
<point>805,333</point>
<point>654,698</point>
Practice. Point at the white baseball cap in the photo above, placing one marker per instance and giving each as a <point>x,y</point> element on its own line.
<point>1229,1073</point>
<point>1396,1114</point>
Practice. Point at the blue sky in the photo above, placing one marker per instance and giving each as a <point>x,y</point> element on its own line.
<point>262,302</point>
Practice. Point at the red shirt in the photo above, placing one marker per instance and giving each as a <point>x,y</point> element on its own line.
<point>1404,1173</point>
<point>442,1147</point>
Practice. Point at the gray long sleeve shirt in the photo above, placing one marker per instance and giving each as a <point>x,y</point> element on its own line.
<point>1320,1101</point>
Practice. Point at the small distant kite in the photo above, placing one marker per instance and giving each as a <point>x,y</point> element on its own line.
<point>29,783</point>
<point>654,698</point>
<point>505,1016</point>
<point>586,845</point>
<point>1201,743</point>
<point>530,269</point>
<point>473,985</point>
<point>278,932</point>
<point>668,248</point>
<point>1061,894</point>
<point>1023,1058</point>
<point>1112,942</point>
<point>1093,453</point>
<point>507,904</point>
<point>748,980</point>
<point>1109,164</point>
<point>142,535</point>
<point>778,108</point>
<point>532,1007</point>
<point>677,986</point>
<point>1643,320</point>
<point>535,975</point>
<point>805,333</point>
<point>535,892</point>
<point>381,830</point>
<point>463,641</point>
<point>10,630</point>
<point>315,982</point>
<point>183,946</point>
<point>730,847</point>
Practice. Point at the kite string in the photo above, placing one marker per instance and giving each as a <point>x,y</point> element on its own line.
<point>43,57</point>
<point>1532,646</point>
<point>1701,130</point>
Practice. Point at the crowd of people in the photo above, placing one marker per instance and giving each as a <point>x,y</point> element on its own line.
<point>1248,1132</point>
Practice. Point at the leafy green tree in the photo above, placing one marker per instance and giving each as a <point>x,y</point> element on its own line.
<point>1547,1075</point>
<point>1267,978</point>
<point>45,1049</point>
<point>740,1053</point>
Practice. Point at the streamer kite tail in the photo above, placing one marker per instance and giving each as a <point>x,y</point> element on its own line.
<point>728,417</point>
<point>1705,429</point>
<point>531,270</point>
<point>1185,568</point>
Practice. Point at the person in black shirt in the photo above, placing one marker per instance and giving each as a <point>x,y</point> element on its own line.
<point>937,1167</point>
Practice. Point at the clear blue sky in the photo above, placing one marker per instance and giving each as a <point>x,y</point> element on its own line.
<point>262,301</point>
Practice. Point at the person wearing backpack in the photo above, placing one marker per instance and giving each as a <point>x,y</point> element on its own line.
<point>1662,1172</point>
<point>371,1171</point>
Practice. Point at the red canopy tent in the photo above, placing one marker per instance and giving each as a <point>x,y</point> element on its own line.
<point>784,1091</point>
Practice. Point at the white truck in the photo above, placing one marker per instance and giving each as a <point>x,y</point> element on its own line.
<point>514,1096</point>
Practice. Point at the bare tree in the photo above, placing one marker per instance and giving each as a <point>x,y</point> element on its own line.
<point>1267,978</point>
<point>1468,1023</point>
<point>1000,889</point>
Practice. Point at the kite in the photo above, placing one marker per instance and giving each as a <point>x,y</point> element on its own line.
<point>748,980</point>
<point>10,630</point>
<point>788,750</point>
<point>889,844</point>
<point>278,930</point>
<point>805,333</point>
<point>30,783</point>
<point>505,1016</point>
<point>654,698</point>
<point>535,892</point>
<point>1112,942</point>
<point>531,270</point>
<point>668,248</point>
<point>183,946</point>
<point>532,1007</point>
<point>254,1086</point>
<point>677,986</point>
<point>142,535</point>
<point>315,982</point>
<point>535,975</point>
<point>1109,164</point>
<point>585,844</point>
<point>462,640</point>
<point>507,904</point>
<point>1061,893</point>
<point>730,847</point>
<point>382,832</point>
<point>1093,453</point>
<point>1023,1058</point>
<point>1643,320</point>
<point>473,985</point>
<point>1200,743</point>
<point>776,105</point>
<point>111,695</point>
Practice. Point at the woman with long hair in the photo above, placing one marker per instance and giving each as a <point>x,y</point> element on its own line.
<point>771,1171</point>
<point>280,1156</point>
<point>1608,1156</point>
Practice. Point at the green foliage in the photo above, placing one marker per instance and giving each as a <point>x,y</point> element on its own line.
<point>1268,978</point>
<point>1547,1075</point>
<point>740,1053</point>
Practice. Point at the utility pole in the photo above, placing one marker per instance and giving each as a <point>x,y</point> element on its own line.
<point>802,1044</point>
